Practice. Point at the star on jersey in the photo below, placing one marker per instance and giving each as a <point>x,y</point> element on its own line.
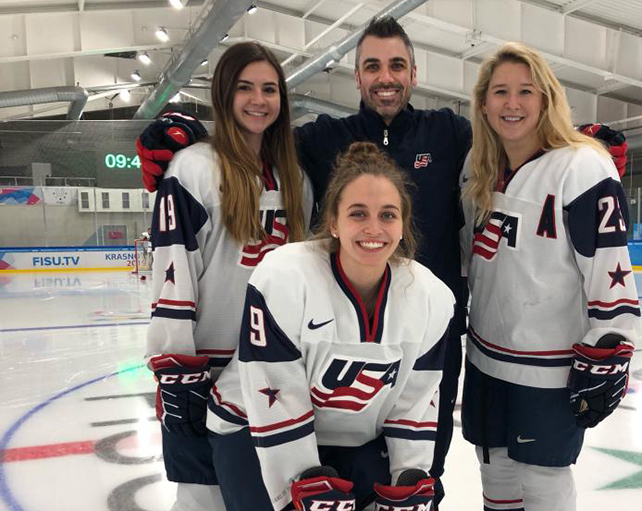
<point>271,394</point>
<point>169,274</point>
<point>617,276</point>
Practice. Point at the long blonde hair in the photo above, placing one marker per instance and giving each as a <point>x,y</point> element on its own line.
<point>241,173</point>
<point>366,159</point>
<point>554,129</point>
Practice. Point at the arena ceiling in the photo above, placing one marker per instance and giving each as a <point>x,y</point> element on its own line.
<point>594,46</point>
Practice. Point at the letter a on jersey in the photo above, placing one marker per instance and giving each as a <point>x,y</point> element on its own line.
<point>546,227</point>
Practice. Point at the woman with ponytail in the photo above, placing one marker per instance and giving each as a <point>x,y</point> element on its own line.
<point>331,399</point>
<point>222,205</point>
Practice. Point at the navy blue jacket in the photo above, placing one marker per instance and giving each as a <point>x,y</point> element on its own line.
<point>431,146</point>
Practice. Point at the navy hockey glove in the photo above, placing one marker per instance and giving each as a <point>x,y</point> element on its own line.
<point>414,490</point>
<point>156,146</point>
<point>598,381</point>
<point>321,488</point>
<point>614,140</point>
<point>183,388</point>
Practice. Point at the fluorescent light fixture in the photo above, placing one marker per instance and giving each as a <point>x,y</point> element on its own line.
<point>162,35</point>
<point>252,9</point>
<point>144,58</point>
<point>176,98</point>
<point>204,63</point>
<point>125,95</point>
<point>136,76</point>
<point>225,38</point>
<point>176,4</point>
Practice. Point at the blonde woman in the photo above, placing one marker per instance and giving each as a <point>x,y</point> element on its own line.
<point>221,207</point>
<point>554,313</point>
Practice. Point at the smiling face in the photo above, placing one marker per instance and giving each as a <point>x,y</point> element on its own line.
<point>385,75</point>
<point>513,106</point>
<point>369,226</point>
<point>257,101</point>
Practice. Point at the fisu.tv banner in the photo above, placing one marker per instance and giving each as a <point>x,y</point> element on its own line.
<point>67,258</point>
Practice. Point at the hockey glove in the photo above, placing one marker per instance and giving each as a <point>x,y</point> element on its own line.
<point>321,488</point>
<point>598,381</point>
<point>614,140</point>
<point>414,490</point>
<point>183,387</point>
<point>156,146</point>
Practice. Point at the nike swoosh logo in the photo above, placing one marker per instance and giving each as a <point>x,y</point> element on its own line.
<point>521,440</point>
<point>314,326</point>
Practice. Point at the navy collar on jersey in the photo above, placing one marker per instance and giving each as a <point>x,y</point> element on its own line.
<point>507,175</point>
<point>370,331</point>
<point>268,177</point>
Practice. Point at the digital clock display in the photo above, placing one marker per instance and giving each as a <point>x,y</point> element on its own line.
<point>121,161</point>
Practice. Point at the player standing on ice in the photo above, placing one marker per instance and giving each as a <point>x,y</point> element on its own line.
<point>221,206</point>
<point>339,360</point>
<point>551,285</point>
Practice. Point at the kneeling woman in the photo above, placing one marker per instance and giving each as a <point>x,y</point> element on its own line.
<point>334,385</point>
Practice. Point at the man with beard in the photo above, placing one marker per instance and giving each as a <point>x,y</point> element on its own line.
<point>430,145</point>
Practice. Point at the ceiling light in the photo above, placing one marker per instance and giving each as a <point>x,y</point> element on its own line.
<point>225,38</point>
<point>136,76</point>
<point>176,4</point>
<point>204,63</point>
<point>162,35</point>
<point>330,63</point>
<point>144,58</point>
<point>252,9</point>
<point>125,95</point>
<point>176,98</point>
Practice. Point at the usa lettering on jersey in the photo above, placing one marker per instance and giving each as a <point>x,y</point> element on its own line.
<point>499,226</point>
<point>351,385</point>
<point>274,222</point>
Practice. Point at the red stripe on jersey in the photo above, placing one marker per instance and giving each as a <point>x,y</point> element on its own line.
<point>220,402</point>
<point>227,353</point>
<point>414,424</point>
<point>341,405</point>
<point>613,304</point>
<point>493,501</point>
<point>282,424</point>
<point>518,352</point>
<point>177,303</point>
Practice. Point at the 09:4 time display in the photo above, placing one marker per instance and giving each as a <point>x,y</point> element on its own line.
<point>121,161</point>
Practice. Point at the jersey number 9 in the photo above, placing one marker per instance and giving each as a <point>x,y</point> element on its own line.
<point>257,325</point>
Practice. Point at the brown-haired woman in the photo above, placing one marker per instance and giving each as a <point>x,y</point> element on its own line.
<point>221,206</point>
<point>334,383</point>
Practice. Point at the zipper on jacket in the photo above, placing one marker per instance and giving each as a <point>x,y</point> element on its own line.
<point>385,137</point>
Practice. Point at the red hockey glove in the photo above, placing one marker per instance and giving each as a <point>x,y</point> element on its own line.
<point>414,490</point>
<point>156,146</point>
<point>614,140</point>
<point>321,488</point>
<point>598,381</point>
<point>183,388</point>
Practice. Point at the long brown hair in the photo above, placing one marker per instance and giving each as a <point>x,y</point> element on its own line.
<point>366,159</point>
<point>240,171</point>
<point>554,129</point>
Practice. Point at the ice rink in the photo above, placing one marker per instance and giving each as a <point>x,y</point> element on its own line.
<point>77,427</point>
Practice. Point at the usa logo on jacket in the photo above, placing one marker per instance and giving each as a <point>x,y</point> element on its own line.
<point>422,160</point>
<point>351,385</point>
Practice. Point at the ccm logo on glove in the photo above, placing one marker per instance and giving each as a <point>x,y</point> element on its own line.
<point>184,378</point>
<point>593,369</point>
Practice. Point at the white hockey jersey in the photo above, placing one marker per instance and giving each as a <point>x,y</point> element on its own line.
<point>312,369</point>
<point>550,268</point>
<point>200,272</point>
